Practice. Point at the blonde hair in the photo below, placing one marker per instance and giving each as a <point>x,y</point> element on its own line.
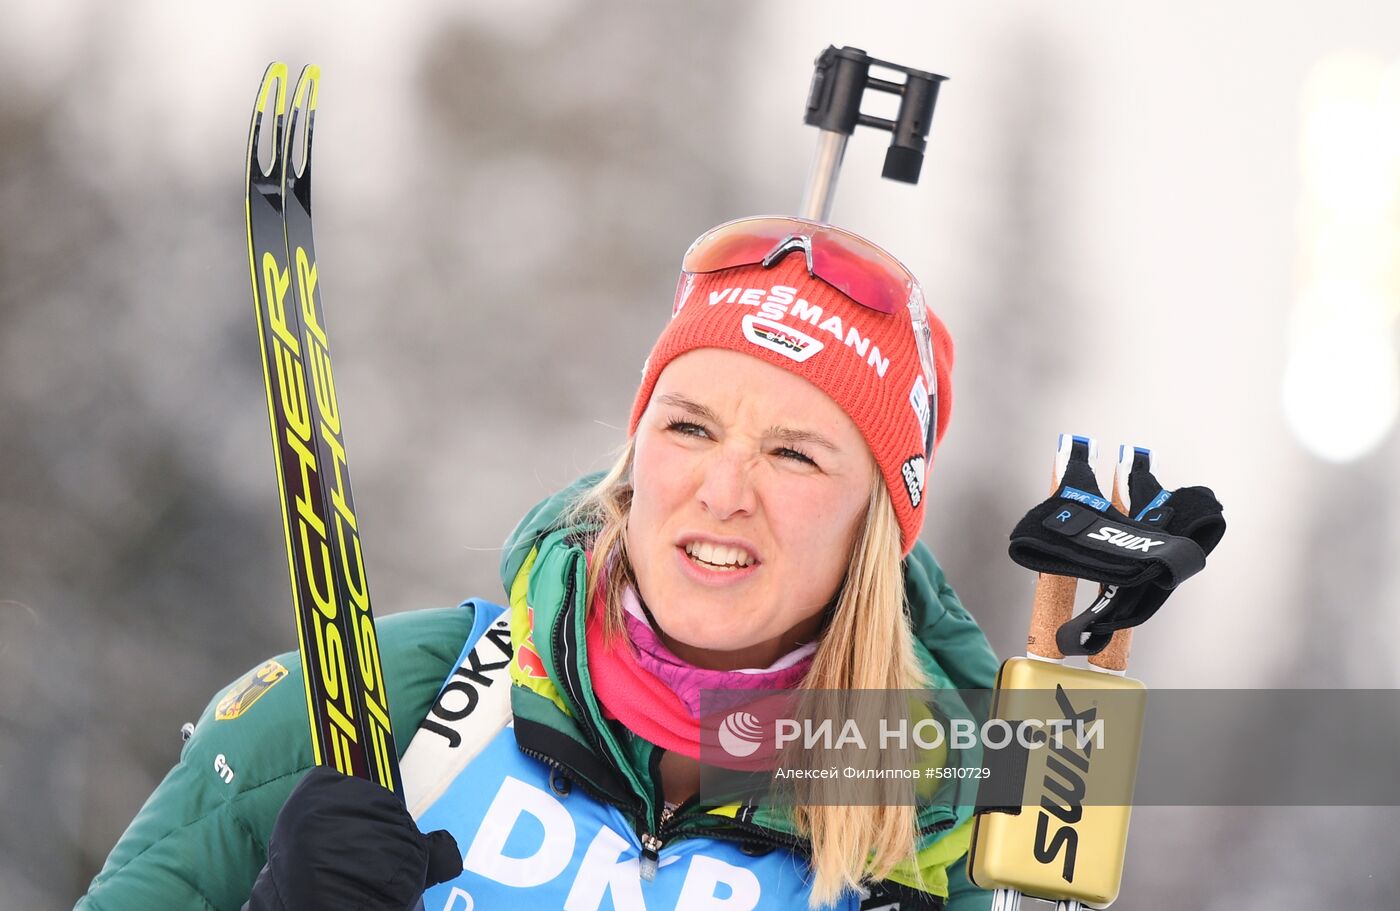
<point>867,644</point>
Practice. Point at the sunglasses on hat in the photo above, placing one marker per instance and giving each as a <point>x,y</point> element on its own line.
<point>848,262</point>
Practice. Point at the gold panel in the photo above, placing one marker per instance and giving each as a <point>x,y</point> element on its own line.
<point>1069,838</point>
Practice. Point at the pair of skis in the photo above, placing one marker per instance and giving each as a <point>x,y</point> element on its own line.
<point>345,697</point>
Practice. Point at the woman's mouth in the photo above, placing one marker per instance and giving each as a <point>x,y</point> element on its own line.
<point>718,556</point>
<point>716,565</point>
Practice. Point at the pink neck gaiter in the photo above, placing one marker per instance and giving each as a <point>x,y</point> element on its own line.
<point>686,680</point>
<point>655,694</point>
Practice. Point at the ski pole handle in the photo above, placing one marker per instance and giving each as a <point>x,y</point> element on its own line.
<point>1051,606</point>
<point>1053,602</point>
<point>1114,657</point>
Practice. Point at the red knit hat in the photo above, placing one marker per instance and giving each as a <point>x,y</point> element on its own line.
<point>867,361</point>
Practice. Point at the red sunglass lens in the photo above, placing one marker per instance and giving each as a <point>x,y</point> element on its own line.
<point>861,273</point>
<point>870,281</point>
<point>736,245</point>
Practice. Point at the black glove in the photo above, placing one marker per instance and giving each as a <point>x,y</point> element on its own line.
<point>1077,532</point>
<point>346,843</point>
<point>1140,560</point>
<point>1190,512</point>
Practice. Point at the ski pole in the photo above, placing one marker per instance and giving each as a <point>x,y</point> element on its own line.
<point>1057,845</point>
<point>1053,600</point>
<point>1114,658</point>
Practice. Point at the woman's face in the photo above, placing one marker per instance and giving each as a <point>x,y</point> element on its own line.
<point>749,488</point>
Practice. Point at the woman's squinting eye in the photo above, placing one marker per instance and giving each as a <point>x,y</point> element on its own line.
<point>796,455</point>
<point>686,428</point>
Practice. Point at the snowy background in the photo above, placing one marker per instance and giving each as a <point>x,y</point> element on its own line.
<point>1173,225</point>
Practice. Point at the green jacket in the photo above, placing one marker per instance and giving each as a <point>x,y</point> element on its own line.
<point>200,839</point>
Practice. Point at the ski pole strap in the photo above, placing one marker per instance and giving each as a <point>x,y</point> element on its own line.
<point>1140,559</point>
<point>1077,532</point>
<point>1065,538</point>
<point>1082,635</point>
<point>1193,513</point>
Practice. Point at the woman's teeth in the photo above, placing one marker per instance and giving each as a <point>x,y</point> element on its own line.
<point>717,555</point>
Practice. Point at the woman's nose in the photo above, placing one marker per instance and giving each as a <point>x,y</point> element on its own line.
<point>726,487</point>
